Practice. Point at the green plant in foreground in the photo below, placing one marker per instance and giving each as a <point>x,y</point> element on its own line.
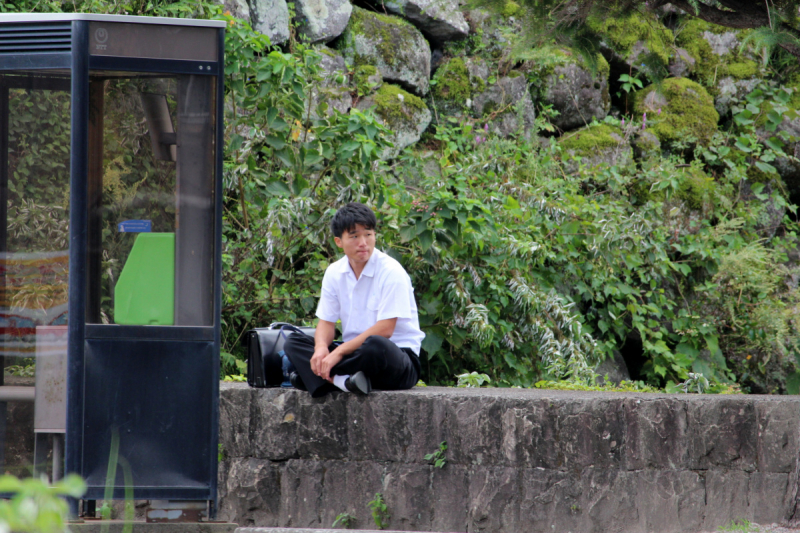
<point>344,520</point>
<point>739,524</point>
<point>437,458</point>
<point>380,512</point>
<point>36,506</point>
<point>472,379</point>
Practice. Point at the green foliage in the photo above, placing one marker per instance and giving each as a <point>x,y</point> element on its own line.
<point>380,512</point>
<point>344,520</point>
<point>472,379</point>
<point>35,506</point>
<point>739,525</point>
<point>437,458</point>
<point>25,371</point>
<point>624,386</point>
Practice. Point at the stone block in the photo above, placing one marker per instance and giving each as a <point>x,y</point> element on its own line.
<point>726,498</point>
<point>722,432</point>
<point>494,499</point>
<point>590,433</point>
<point>530,434</point>
<point>407,490</point>
<point>301,489</point>
<point>347,488</point>
<point>550,497</point>
<point>378,429</point>
<point>475,427</point>
<point>778,428</point>
<point>656,434</point>
<point>322,425</point>
<point>234,421</point>
<point>428,425</point>
<point>608,500</point>
<point>249,492</point>
<point>273,424</point>
<point>451,499</point>
<point>670,500</point>
<point>771,498</point>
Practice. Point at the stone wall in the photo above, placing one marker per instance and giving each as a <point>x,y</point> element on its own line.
<point>517,460</point>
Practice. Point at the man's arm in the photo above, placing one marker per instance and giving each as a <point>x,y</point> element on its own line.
<point>383,328</point>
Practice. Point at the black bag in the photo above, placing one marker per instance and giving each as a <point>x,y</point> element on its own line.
<point>265,353</point>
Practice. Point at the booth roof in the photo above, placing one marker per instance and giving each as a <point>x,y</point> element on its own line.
<point>63,17</point>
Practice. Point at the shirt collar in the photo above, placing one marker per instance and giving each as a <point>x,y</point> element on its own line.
<point>369,268</point>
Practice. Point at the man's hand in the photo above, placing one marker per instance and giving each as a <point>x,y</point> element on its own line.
<point>320,352</point>
<point>327,363</point>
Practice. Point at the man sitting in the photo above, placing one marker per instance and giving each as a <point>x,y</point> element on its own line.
<point>372,295</point>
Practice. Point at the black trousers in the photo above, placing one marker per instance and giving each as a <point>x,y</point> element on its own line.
<point>386,365</point>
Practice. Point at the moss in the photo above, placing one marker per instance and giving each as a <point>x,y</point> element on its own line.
<point>510,8</point>
<point>394,104</point>
<point>710,67</point>
<point>625,32</point>
<point>689,111</point>
<point>391,32</point>
<point>756,175</point>
<point>695,188</point>
<point>452,81</point>
<point>589,140</point>
<point>361,77</point>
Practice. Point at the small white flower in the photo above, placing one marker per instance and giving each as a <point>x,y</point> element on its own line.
<point>401,97</point>
<point>469,102</point>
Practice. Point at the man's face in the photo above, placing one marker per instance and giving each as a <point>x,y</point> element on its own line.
<point>357,244</point>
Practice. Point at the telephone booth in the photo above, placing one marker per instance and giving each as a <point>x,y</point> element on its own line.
<point>110,235</point>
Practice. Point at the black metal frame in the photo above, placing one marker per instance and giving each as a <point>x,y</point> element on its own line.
<point>78,63</point>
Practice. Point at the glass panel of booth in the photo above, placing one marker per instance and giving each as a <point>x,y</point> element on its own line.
<point>151,199</point>
<point>34,274</point>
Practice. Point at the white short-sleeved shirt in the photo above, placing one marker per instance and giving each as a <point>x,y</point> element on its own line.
<point>382,291</point>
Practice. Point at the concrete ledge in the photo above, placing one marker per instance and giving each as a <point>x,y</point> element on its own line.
<point>117,526</point>
<point>517,460</point>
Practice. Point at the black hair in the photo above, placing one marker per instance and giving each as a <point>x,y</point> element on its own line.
<point>348,216</point>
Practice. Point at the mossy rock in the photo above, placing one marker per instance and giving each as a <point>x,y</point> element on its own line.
<point>717,54</point>
<point>402,112</point>
<point>686,109</point>
<point>392,45</point>
<point>633,35</point>
<point>452,81</point>
<point>595,145</point>
<point>566,82</point>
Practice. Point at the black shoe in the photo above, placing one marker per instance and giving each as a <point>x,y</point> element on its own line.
<point>358,383</point>
<point>296,381</point>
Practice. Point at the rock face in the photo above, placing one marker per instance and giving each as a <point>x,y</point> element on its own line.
<point>394,46</point>
<point>731,89</point>
<point>237,8</point>
<point>508,106</point>
<point>271,17</point>
<point>517,460</point>
<point>440,20</point>
<point>322,20</point>
<point>577,95</point>
<point>405,114</point>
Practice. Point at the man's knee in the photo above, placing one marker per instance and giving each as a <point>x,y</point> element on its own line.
<point>297,340</point>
